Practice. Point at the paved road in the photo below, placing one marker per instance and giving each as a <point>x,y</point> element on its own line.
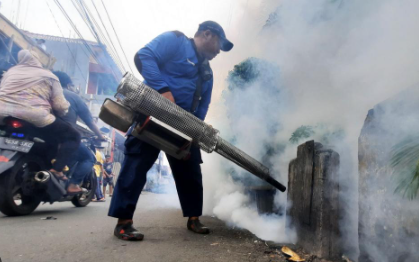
<point>86,234</point>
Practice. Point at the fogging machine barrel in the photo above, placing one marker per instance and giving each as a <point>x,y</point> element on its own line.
<point>138,97</point>
<point>248,163</point>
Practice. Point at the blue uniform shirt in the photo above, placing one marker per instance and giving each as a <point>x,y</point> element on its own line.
<point>170,61</point>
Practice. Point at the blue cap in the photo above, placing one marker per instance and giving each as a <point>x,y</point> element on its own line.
<point>214,27</point>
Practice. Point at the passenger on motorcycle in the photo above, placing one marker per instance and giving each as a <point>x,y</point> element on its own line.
<point>78,109</point>
<point>31,93</point>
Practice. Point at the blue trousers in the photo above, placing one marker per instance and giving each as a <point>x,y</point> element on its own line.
<point>86,160</point>
<point>98,193</point>
<point>139,158</point>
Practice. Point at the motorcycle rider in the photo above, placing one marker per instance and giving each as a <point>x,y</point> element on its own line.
<point>30,93</point>
<point>78,109</point>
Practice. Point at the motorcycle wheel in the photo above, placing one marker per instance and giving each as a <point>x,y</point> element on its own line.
<point>90,184</point>
<point>12,200</point>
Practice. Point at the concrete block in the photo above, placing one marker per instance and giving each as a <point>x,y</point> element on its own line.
<point>313,196</point>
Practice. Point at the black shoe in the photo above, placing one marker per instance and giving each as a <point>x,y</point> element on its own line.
<point>195,226</point>
<point>127,232</point>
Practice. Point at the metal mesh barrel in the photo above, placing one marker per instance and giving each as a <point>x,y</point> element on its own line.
<point>247,162</point>
<point>141,98</point>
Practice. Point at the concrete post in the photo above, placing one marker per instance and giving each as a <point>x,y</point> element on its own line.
<point>313,197</point>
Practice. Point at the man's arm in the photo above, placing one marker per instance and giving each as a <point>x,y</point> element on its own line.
<point>152,56</point>
<point>105,173</point>
<point>108,174</point>
<point>95,129</point>
<point>205,102</point>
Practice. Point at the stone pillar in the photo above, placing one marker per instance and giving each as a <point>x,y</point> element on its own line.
<point>313,199</point>
<point>388,223</point>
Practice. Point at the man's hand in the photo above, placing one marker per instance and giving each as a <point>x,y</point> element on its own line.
<point>100,138</point>
<point>169,96</point>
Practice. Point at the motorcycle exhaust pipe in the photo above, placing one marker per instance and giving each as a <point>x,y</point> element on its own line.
<point>42,176</point>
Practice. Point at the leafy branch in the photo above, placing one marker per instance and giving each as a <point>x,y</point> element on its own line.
<point>405,164</point>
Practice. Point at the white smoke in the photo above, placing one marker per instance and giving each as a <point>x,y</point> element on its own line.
<point>337,59</point>
<point>227,200</point>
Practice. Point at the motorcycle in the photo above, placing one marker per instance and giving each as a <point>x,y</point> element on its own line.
<point>24,181</point>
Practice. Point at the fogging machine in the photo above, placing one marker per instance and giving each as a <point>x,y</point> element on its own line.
<point>144,113</point>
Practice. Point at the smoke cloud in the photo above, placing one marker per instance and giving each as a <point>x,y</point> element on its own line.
<point>330,61</point>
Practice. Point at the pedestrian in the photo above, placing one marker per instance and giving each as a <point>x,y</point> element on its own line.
<point>108,176</point>
<point>99,175</point>
<point>177,67</point>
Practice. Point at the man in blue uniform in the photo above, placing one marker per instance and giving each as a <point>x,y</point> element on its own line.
<point>177,67</point>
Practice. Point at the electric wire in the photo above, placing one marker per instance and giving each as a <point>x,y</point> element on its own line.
<point>13,14</point>
<point>68,46</point>
<point>106,30</point>
<point>18,13</point>
<point>26,15</point>
<point>230,14</point>
<point>88,47</point>
<point>85,13</point>
<point>80,36</point>
<point>117,37</point>
<point>99,34</point>
<point>85,51</point>
<point>82,14</point>
<point>91,23</point>
<point>103,25</point>
<point>75,29</point>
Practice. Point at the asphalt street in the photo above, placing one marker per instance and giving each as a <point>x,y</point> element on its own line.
<point>86,234</point>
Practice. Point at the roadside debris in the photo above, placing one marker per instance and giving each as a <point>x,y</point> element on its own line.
<point>292,255</point>
<point>311,258</point>
<point>346,259</point>
<point>214,244</point>
<point>49,218</point>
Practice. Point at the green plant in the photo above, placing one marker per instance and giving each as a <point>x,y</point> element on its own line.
<point>405,164</point>
<point>301,133</point>
<point>323,133</point>
<point>244,73</point>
